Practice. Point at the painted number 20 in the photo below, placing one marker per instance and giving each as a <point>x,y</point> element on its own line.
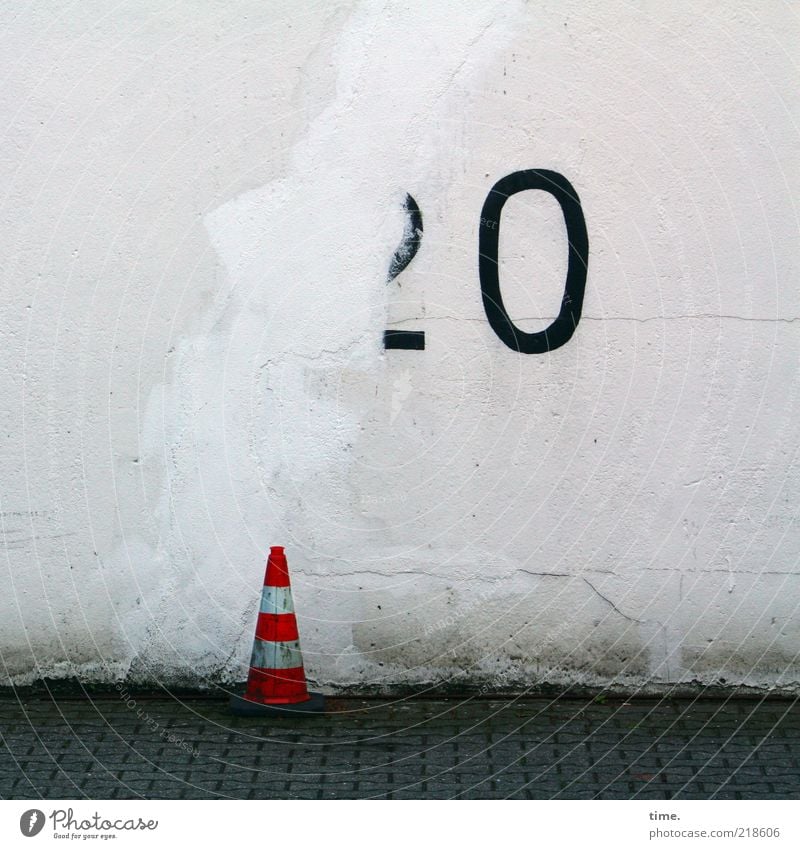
<point>561,330</point>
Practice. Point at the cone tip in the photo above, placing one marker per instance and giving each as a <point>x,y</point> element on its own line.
<point>276,549</point>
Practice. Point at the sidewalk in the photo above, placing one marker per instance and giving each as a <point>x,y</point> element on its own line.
<point>191,748</point>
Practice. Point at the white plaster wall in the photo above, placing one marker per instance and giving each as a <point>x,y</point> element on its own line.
<point>199,202</point>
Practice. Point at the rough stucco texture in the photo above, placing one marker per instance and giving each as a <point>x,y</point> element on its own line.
<point>200,203</point>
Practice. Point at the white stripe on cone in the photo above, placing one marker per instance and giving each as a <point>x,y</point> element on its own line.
<point>268,655</point>
<point>276,600</point>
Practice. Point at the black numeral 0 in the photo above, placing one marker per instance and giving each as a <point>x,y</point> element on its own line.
<point>560,331</point>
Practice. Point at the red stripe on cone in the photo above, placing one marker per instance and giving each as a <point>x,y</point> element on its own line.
<point>277,627</point>
<point>276,686</point>
<point>277,568</point>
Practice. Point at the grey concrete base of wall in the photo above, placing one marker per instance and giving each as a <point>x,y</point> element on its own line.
<point>72,688</point>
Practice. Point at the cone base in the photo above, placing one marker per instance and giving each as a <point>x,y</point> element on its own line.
<point>240,706</point>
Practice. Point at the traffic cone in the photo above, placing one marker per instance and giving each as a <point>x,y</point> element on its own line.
<point>276,683</point>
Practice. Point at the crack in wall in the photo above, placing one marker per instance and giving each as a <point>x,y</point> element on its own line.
<point>584,317</point>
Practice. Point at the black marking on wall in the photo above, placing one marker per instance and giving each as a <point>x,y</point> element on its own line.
<point>409,244</point>
<point>408,340</point>
<point>562,328</point>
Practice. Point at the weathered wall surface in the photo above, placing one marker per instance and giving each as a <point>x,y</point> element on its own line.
<point>200,203</point>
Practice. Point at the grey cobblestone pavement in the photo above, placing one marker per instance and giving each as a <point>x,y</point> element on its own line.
<point>192,748</point>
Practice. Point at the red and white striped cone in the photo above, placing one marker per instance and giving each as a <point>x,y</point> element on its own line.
<point>276,683</point>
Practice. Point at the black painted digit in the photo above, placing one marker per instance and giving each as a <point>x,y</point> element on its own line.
<point>412,236</point>
<point>562,328</point>
<point>409,340</point>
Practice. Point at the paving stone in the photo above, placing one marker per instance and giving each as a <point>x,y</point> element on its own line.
<point>523,749</point>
